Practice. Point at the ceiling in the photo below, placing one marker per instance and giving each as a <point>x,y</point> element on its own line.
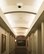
<point>20,19</point>
<point>27,5</point>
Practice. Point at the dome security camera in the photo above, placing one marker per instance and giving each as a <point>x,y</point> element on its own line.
<point>19,5</point>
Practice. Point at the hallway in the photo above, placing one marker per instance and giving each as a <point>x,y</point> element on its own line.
<point>21,26</point>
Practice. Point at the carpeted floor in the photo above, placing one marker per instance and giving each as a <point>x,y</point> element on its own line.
<point>20,51</point>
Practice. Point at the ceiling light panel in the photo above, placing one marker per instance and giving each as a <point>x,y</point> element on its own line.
<point>20,19</point>
<point>19,31</point>
<point>20,22</point>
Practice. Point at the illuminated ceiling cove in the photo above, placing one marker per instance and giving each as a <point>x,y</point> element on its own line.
<point>20,19</point>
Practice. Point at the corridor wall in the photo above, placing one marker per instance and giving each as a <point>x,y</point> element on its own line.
<point>11,43</point>
<point>2,31</point>
<point>42,34</point>
<point>28,44</point>
<point>36,42</point>
<point>33,43</point>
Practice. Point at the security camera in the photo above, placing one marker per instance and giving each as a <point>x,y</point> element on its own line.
<point>19,5</point>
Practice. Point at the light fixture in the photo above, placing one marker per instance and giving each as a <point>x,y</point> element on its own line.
<point>15,40</point>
